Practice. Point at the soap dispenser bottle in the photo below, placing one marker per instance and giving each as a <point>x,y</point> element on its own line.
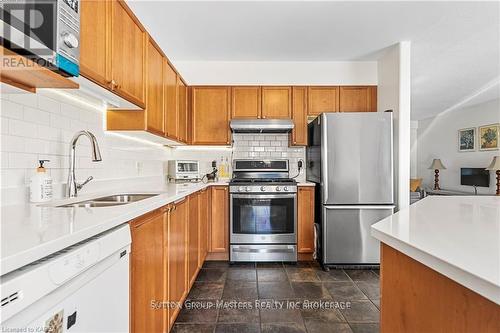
<point>41,184</point>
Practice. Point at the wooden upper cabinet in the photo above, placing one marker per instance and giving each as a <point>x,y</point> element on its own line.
<point>299,116</point>
<point>182,110</point>
<point>94,28</point>
<point>128,43</point>
<point>305,220</point>
<point>323,99</point>
<point>147,272</point>
<point>358,99</point>
<point>276,102</point>
<point>246,102</point>
<point>154,107</point>
<point>170,101</point>
<point>210,115</point>
<point>219,224</point>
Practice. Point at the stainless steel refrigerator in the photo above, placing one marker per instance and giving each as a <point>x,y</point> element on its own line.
<point>350,158</point>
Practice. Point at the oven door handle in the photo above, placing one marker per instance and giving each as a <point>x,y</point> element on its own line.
<point>264,196</point>
<point>254,250</point>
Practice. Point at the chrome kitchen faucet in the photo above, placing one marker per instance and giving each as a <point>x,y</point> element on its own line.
<point>73,187</point>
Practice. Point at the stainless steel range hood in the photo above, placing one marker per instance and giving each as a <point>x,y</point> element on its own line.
<point>261,125</point>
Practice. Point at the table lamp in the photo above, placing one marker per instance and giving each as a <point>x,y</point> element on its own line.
<point>436,166</point>
<point>495,165</point>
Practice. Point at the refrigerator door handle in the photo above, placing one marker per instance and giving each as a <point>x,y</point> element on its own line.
<point>361,207</point>
<point>324,158</point>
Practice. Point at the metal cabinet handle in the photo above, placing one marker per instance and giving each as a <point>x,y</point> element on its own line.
<point>252,250</point>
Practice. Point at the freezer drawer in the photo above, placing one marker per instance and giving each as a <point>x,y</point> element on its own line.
<point>346,234</point>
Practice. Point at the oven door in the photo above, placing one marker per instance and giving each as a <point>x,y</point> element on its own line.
<point>263,218</point>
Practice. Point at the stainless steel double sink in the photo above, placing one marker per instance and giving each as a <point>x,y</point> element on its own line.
<point>111,200</point>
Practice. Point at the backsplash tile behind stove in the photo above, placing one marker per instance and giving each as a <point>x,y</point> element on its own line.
<point>269,146</point>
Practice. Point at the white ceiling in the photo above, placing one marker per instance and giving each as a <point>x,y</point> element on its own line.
<point>455,45</point>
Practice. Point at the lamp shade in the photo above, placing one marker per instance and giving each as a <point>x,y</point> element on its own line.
<point>495,164</point>
<point>437,165</point>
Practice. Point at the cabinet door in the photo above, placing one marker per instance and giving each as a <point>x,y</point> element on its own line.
<point>147,273</point>
<point>193,238</point>
<point>94,33</point>
<point>246,102</point>
<point>358,99</point>
<point>210,115</point>
<point>154,105</point>
<point>128,43</point>
<point>171,106</point>
<point>299,116</point>
<point>323,99</point>
<point>219,226</point>
<point>305,213</point>
<point>276,102</point>
<point>182,100</point>
<point>203,222</point>
<point>177,242</point>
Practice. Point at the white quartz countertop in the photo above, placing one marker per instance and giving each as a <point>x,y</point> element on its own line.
<point>457,236</point>
<point>32,231</point>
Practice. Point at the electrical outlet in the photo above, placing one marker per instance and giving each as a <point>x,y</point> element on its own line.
<point>139,166</point>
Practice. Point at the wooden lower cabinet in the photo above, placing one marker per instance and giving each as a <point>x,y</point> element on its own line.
<point>148,267</point>
<point>193,237</point>
<point>305,219</point>
<point>169,247</point>
<point>204,213</point>
<point>219,222</point>
<point>177,251</point>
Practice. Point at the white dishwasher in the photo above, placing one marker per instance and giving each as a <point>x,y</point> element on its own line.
<point>83,288</point>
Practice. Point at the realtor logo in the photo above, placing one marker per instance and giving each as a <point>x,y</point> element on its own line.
<point>29,26</point>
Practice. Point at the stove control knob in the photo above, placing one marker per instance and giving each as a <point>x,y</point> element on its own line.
<point>285,189</point>
<point>247,188</point>
<point>278,188</point>
<point>241,189</point>
<point>262,188</point>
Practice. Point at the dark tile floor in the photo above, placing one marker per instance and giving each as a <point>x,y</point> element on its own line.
<point>275,297</point>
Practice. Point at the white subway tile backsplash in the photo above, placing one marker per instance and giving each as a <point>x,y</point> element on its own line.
<point>49,133</point>
<point>24,98</point>
<point>11,110</point>
<point>48,104</point>
<point>4,125</point>
<point>36,116</point>
<point>23,160</point>
<point>36,146</point>
<point>13,177</point>
<point>268,146</point>
<point>59,121</point>
<point>12,143</point>
<point>22,128</point>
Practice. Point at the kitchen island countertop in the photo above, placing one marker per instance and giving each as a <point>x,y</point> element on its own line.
<point>459,237</point>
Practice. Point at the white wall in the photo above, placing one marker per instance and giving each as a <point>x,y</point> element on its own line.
<point>394,94</point>
<point>438,138</point>
<point>276,73</point>
<point>413,148</point>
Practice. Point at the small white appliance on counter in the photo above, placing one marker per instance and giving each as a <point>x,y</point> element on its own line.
<point>83,288</point>
<point>186,170</point>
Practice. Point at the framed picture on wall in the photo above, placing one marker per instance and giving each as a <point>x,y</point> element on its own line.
<point>489,137</point>
<point>467,139</point>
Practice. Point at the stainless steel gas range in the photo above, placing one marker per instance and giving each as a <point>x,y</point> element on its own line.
<point>263,212</point>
